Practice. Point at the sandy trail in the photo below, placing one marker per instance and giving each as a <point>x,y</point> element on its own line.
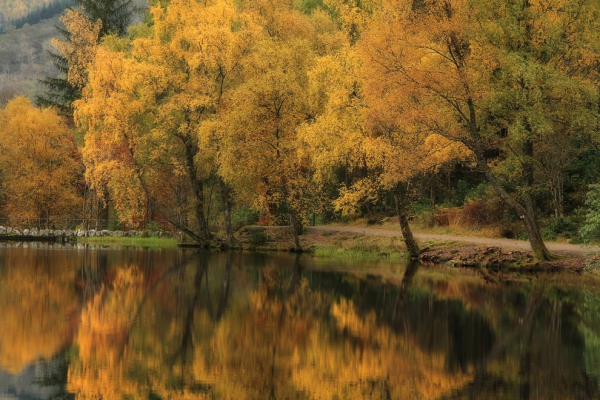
<point>509,244</point>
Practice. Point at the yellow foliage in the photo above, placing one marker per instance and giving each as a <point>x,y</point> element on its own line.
<point>39,160</point>
<point>259,154</point>
<point>365,122</point>
<point>80,49</point>
<point>146,105</point>
<point>362,192</point>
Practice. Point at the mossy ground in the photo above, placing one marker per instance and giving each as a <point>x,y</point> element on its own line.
<point>150,242</point>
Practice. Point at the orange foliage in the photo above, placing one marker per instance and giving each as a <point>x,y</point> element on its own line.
<point>40,162</point>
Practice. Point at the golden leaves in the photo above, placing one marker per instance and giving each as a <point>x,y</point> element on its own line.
<point>80,49</point>
<point>40,162</point>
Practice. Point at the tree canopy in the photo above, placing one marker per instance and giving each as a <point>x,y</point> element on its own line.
<point>40,163</point>
<point>294,109</point>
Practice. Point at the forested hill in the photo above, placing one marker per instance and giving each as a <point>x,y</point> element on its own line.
<point>17,13</point>
<point>24,58</point>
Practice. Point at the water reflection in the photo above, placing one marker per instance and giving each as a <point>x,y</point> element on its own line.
<point>183,324</point>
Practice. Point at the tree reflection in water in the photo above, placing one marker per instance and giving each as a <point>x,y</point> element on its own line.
<point>236,325</point>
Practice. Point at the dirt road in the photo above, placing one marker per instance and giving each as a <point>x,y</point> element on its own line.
<point>509,244</point>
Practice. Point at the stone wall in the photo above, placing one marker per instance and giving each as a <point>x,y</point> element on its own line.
<point>67,234</point>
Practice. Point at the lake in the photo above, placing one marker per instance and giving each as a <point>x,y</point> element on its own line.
<point>125,323</point>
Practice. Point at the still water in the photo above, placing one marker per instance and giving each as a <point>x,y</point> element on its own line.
<point>89,322</point>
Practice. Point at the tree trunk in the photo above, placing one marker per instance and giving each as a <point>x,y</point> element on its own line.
<point>477,145</point>
<point>409,240</point>
<point>538,247</point>
<point>197,189</point>
<point>296,230</point>
<point>432,199</point>
<point>527,179</point>
<point>295,224</point>
<point>227,206</point>
<point>103,214</point>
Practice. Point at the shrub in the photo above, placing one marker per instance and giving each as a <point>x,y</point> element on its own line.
<point>478,213</point>
<point>590,228</point>
<point>448,216</point>
<point>257,235</point>
<point>562,227</point>
<point>243,216</point>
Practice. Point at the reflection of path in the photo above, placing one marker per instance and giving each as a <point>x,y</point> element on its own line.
<point>509,244</point>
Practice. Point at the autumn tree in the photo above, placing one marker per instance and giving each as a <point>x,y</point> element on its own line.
<point>260,155</point>
<point>453,79</point>
<point>144,109</point>
<point>543,90</point>
<point>362,126</point>
<point>80,49</point>
<point>39,161</point>
<point>75,48</point>
<point>99,16</point>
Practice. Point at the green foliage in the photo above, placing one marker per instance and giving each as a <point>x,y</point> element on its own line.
<point>361,255</point>
<point>308,6</point>
<point>116,15</point>
<point>481,191</point>
<point>590,229</point>
<point>565,227</point>
<point>243,216</point>
<point>258,235</point>
<point>459,193</point>
<point>422,214</point>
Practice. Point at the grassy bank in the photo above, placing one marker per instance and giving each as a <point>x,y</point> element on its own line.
<point>355,246</point>
<point>150,242</point>
<point>334,245</point>
<point>358,255</point>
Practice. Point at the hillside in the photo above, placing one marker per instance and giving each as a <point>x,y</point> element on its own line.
<point>13,9</point>
<point>24,58</point>
<point>19,12</point>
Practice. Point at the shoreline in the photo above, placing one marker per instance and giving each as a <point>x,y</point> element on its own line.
<point>358,244</point>
<point>455,252</point>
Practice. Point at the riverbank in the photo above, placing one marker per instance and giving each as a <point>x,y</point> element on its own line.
<point>364,243</point>
<point>354,243</point>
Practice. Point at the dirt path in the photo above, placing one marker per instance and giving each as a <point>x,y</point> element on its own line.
<point>509,244</point>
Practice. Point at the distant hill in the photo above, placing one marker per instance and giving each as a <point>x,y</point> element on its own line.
<point>24,58</point>
<point>16,13</point>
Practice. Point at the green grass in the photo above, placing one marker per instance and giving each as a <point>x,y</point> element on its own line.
<point>153,242</point>
<point>358,255</point>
